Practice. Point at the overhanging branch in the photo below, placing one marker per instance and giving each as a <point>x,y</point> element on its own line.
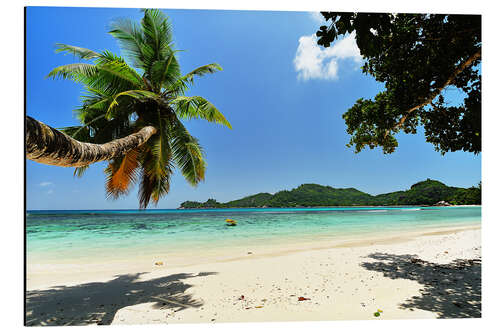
<point>429,99</point>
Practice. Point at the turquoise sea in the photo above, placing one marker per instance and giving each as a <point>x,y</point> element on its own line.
<point>69,235</point>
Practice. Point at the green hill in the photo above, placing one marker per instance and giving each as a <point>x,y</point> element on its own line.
<point>427,192</point>
<point>256,200</point>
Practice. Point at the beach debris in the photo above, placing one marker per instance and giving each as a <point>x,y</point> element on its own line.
<point>259,306</point>
<point>249,252</point>
<point>231,222</point>
<point>181,305</point>
<point>159,263</point>
<point>304,299</point>
<point>242,297</point>
<point>376,314</point>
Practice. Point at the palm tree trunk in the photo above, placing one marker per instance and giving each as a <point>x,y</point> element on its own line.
<point>47,145</point>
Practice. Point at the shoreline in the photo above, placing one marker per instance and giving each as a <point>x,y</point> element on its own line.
<point>356,206</point>
<point>208,208</point>
<point>338,279</point>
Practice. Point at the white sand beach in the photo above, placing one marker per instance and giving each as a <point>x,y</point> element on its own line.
<point>432,274</point>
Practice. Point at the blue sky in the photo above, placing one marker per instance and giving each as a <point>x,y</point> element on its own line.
<point>283,95</point>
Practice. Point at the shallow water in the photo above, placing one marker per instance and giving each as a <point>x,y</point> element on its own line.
<point>70,235</point>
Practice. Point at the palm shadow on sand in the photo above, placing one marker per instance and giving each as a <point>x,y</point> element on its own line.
<point>451,290</point>
<point>98,302</point>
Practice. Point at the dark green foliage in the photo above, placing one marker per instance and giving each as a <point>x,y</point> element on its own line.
<point>417,57</point>
<point>427,192</point>
<point>210,203</point>
<point>317,195</point>
<point>257,200</point>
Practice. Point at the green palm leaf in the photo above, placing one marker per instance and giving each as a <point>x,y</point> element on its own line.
<point>201,71</point>
<point>79,171</point>
<point>77,72</point>
<point>77,51</point>
<point>130,39</point>
<point>153,185</point>
<point>187,153</point>
<point>136,94</point>
<point>165,72</point>
<point>181,85</point>
<point>198,107</point>
<point>157,33</point>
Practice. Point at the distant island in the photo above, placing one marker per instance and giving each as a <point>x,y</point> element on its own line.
<point>428,192</point>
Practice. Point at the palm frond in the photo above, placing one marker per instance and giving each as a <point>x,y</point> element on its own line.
<point>157,33</point>
<point>80,133</point>
<point>97,103</point>
<point>187,153</point>
<point>120,179</point>
<point>136,94</point>
<point>201,71</point>
<point>108,77</point>
<point>165,72</point>
<point>116,128</point>
<point>77,51</point>
<point>117,67</point>
<point>78,72</point>
<point>153,186</point>
<point>145,190</point>
<point>79,171</point>
<point>179,87</point>
<point>160,153</point>
<point>130,39</point>
<point>189,107</point>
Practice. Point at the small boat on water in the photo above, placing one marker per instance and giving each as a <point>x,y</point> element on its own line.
<point>230,222</point>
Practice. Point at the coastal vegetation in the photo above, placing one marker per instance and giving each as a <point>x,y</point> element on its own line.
<point>417,57</point>
<point>428,192</point>
<point>142,103</point>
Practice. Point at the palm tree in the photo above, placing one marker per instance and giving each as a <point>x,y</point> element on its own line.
<point>121,100</point>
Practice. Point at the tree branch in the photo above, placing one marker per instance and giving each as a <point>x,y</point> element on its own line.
<point>429,99</point>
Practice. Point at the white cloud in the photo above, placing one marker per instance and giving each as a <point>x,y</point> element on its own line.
<point>50,191</point>
<point>43,184</point>
<point>317,17</point>
<point>313,62</point>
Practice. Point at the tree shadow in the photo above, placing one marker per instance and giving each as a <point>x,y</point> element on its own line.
<point>98,302</point>
<point>451,291</point>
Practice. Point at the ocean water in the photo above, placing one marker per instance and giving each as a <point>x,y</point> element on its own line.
<point>70,235</point>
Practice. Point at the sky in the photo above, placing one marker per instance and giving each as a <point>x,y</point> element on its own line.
<point>283,95</point>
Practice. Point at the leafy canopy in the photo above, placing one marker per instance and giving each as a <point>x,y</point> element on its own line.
<point>121,99</point>
<point>418,57</point>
